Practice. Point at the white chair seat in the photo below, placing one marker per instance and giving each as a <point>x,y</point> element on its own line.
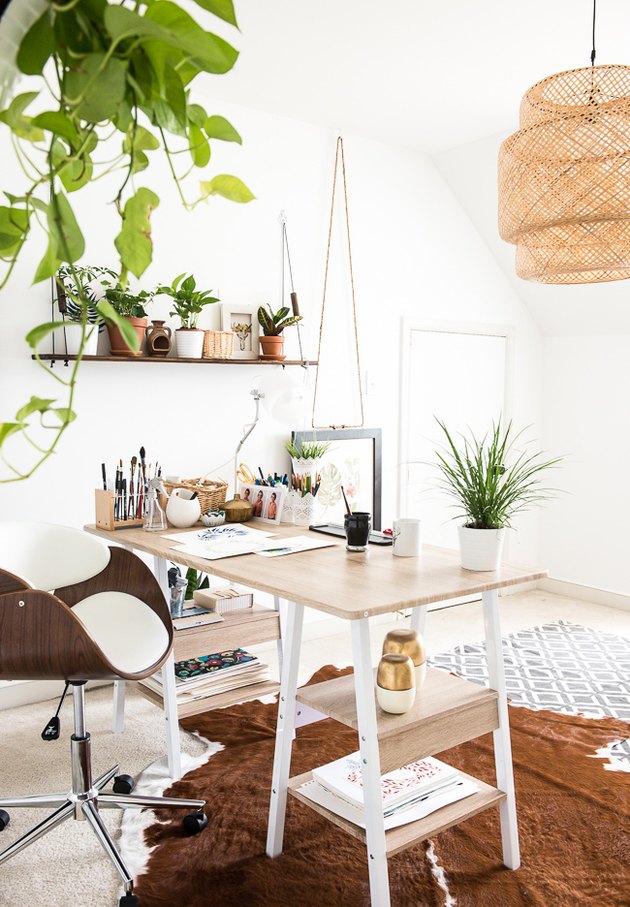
<point>128,632</point>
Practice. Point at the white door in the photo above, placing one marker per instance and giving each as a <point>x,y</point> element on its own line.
<point>462,377</point>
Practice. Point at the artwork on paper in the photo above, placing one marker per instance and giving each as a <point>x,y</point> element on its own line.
<point>244,323</point>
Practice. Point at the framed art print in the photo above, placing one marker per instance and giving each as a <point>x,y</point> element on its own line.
<point>243,321</point>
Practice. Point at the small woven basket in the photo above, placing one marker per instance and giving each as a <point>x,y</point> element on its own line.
<point>211,493</point>
<point>218,344</point>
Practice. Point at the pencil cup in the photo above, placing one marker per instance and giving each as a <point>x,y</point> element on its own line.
<point>357,526</point>
<point>182,511</point>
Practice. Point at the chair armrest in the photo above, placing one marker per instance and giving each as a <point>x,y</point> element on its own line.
<point>9,582</point>
<point>43,639</point>
<point>126,572</point>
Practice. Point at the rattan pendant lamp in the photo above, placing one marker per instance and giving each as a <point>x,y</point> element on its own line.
<point>564,177</point>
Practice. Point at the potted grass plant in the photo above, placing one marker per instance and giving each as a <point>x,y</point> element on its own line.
<point>188,303</point>
<point>306,459</point>
<point>491,479</point>
<point>273,324</point>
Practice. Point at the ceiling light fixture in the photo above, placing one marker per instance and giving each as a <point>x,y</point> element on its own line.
<point>564,177</point>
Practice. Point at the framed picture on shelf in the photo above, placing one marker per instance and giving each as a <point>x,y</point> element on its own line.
<point>244,322</point>
<point>268,501</point>
<point>353,461</point>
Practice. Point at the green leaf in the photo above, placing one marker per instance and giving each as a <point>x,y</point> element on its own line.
<point>49,265</point>
<point>230,187</point>
<point>208,51</point>
<point>111,316</point>
<point>37,334</point>
<point>170,107</point>
<point>13,227</point>
<point>65,414</point>
<point>220,128</point>
<point>57,122</point>
<point>134,243</point>
<point>36,46</point>
<point>224,9</point>
<point>9,428</point>
<point>142,140</point>
<point>64,229</point>
<point>14,118</point>
<point>97,86</point>
<point>197,115</point>
<point>199,147</point>
<point>34,405</point>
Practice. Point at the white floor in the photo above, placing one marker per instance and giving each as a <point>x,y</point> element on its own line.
<point>66,867</point>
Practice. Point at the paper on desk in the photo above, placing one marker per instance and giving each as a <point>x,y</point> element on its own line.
<point>292,545</point>
<point>226,530</point>
<point>218,548</point>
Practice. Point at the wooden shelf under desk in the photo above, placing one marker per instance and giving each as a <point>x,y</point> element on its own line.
<point>405,836</point>
<point>220,701</point>
<point>242,627</point>
<point>448,710</point>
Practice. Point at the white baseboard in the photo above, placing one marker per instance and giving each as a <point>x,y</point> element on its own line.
<point>586,593</point>
<point>14,693</point>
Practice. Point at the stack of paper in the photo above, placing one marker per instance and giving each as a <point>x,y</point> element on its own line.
<point>209,675</point>
<point>408,794</point>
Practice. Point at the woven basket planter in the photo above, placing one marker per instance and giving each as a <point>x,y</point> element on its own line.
<point>218,344</point>
<point>211,493</point>
<point>564,178</point>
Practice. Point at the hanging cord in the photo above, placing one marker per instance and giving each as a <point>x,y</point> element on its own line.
<point>593,50</point>
<point>294,299</point>
<point>354,305</point>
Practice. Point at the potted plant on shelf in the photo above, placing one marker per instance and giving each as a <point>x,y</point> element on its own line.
<point>130,307</point>
<point>273,324</point>
<point>188,303</point>
<point>81,318</point>
<point>491,480</point>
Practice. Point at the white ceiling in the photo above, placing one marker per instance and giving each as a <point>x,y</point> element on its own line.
<point>426,75</point>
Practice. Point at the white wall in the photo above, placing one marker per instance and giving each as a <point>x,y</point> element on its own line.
<point>415,253</point>
<point>585,535</point>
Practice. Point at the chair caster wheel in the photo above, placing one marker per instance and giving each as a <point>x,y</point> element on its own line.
<point>123,784</point>
<point>194,823</point>
<point>5,818</point>
<point>129,900</point>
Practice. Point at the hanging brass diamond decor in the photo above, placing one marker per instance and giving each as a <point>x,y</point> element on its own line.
<point>564,178</point>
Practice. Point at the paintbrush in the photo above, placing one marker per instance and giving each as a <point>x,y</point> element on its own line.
<point>345,500</point>
<point>142,468</point>
<point>132,512</point>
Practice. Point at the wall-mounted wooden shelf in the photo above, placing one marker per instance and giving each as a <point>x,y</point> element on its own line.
<point>59,357</point>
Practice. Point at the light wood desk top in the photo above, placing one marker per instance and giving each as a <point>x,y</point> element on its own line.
<point>348,585</point>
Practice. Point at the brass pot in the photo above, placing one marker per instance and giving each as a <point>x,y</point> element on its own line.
<point>237,510</point>
<point>405,642</point>
<point>396,672</point>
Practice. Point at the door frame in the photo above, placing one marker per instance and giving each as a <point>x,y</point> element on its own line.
<point>410,325</point>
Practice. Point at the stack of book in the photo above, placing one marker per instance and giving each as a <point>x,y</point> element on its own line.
<point>226,598</point>
<point>408,794</point>
<point>209,675</point>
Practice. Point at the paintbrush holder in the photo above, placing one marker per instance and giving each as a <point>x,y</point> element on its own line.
<point>107,504</point>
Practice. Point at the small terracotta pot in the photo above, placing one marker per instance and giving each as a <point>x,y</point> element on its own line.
<point>118,345</point>
<point>272,347</point>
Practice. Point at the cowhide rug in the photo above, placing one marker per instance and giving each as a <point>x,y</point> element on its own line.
<point>573,819</point>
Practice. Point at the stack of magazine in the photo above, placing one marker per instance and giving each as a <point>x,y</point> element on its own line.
<point>408,794</point>
<point>209,675</point>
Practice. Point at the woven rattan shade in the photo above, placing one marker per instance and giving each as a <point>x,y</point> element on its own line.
<point>564,178</point>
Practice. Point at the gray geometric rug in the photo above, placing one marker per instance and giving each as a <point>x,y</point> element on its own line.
<point>559,666</point>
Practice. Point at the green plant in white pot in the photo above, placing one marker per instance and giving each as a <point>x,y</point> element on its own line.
<point>81,318</point>
<point>491,479</point>
<point>188,303</point>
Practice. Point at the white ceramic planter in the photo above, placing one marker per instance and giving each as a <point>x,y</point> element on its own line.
<point>72,342</point>
<point>181,511</point>
<point>397,702</point>
<point>481,548</point>
<point>189,343</point>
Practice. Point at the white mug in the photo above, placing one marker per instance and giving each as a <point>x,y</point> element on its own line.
<point>407,538</point>
<point>180,510</point>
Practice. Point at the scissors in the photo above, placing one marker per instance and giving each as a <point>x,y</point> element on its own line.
<point>245,475</point>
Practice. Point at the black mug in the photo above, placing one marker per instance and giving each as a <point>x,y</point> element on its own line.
<point>357,527</point>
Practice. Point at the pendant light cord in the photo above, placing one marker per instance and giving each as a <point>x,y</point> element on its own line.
<point>594,16</point>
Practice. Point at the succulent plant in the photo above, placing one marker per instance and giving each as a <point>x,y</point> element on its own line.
<point>274,323</point>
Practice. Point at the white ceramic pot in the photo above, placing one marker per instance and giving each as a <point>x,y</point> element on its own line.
<point>189,343</point>
<point>181,511</point>
<point>481,548</point>
<point>397,702</point>
<point>73,332</point>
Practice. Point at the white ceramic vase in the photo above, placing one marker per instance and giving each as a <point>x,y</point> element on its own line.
<point>481,548</point>
<point>189,343</point>
<point>303,509</point>
<point>70,338</point>
<point>181,511</point>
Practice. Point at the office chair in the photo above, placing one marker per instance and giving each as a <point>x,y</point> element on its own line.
<point>73,609</point>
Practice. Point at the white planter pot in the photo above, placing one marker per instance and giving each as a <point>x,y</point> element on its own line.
<point>481,548</point>
<point>397,702</point>
<point>72,342</point>
<point>189,343</point>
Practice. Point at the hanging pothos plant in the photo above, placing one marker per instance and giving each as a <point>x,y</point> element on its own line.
<point>105,70</point>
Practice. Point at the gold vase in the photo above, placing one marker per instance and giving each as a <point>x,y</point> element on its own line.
<point>408,642</point>
<point>396,683</point>
<point>237,510</point>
